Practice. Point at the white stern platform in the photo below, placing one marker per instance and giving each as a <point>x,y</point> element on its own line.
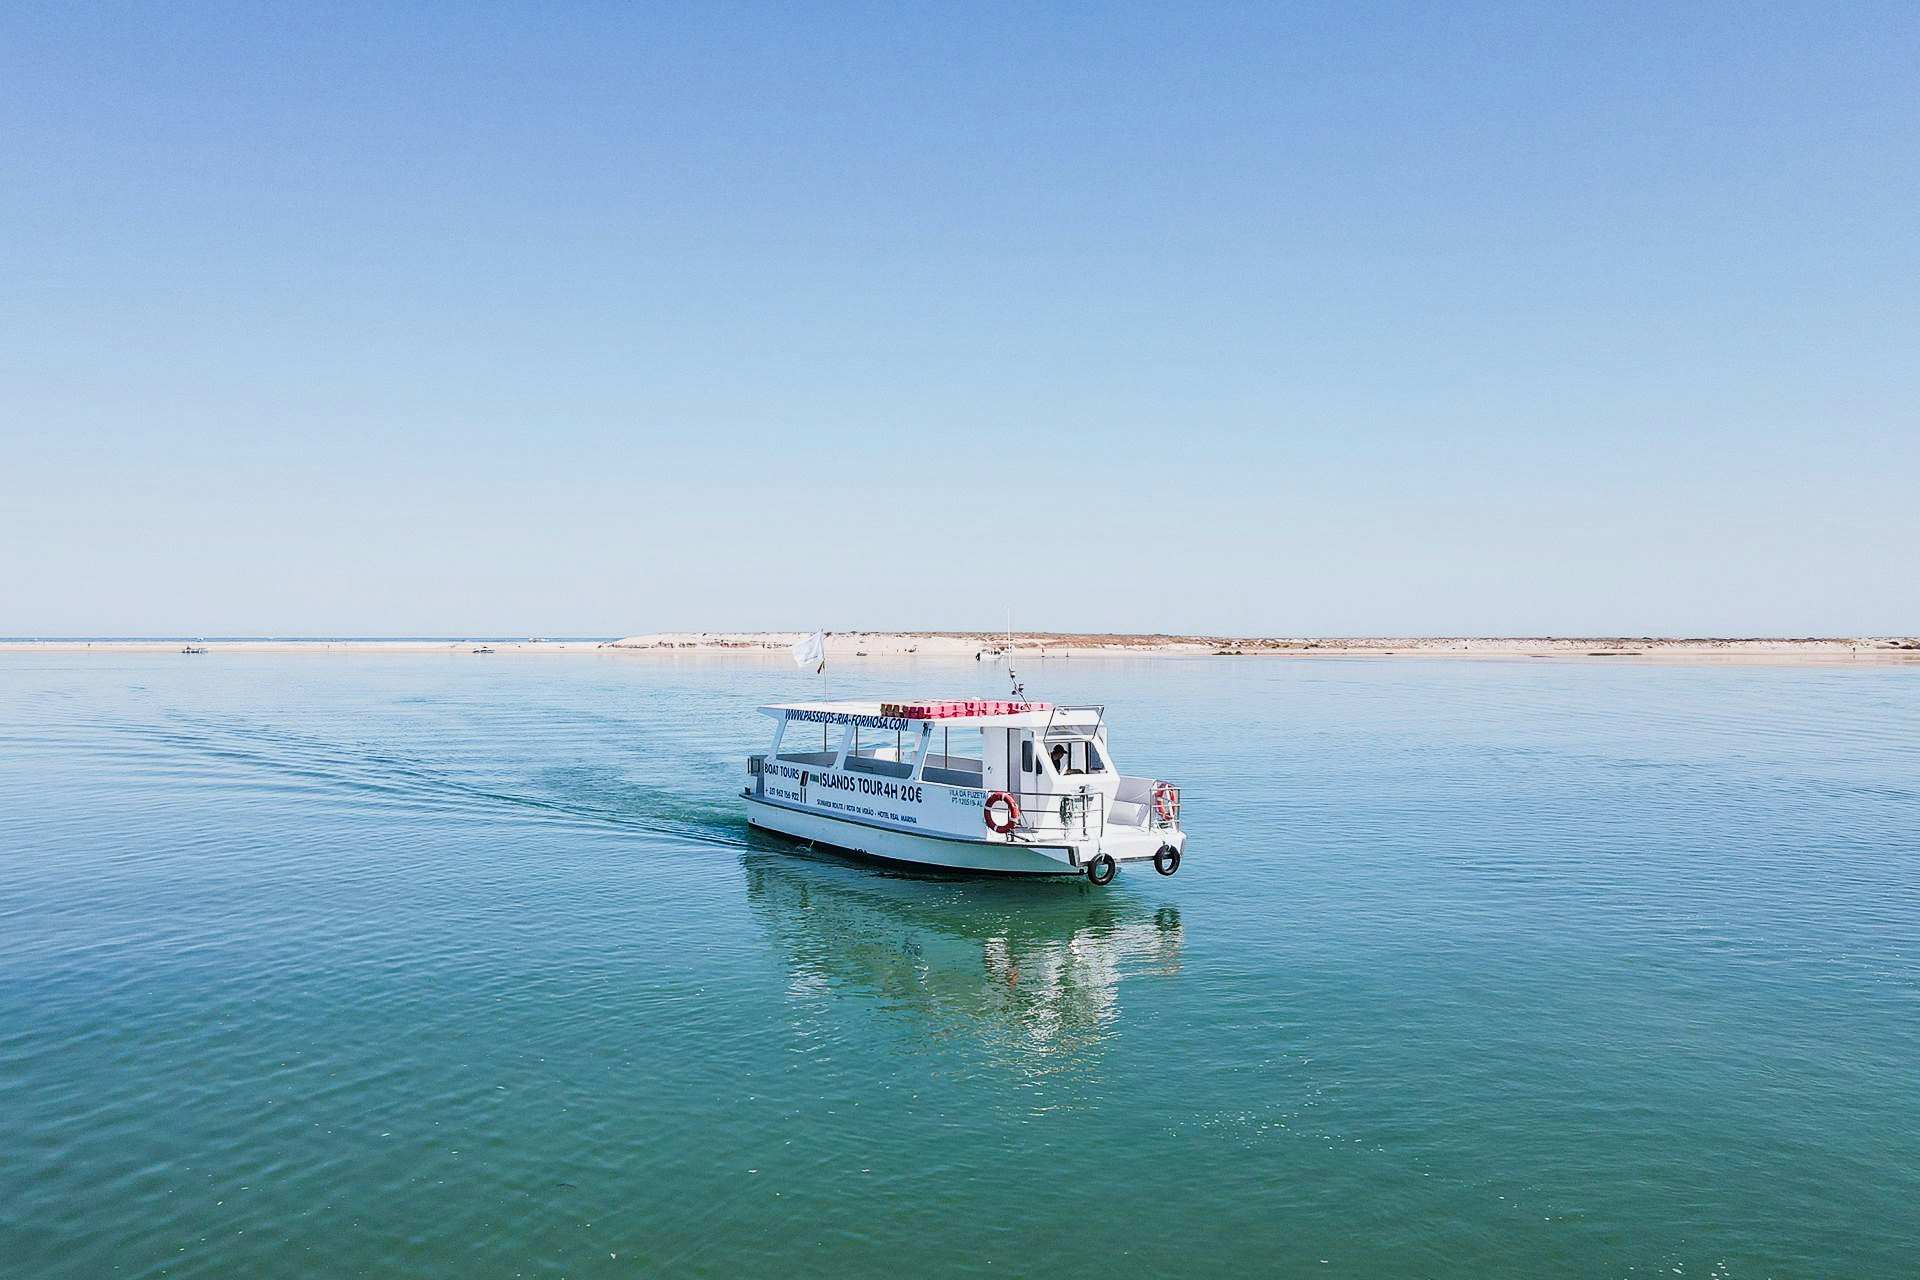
<point>1023,788</point>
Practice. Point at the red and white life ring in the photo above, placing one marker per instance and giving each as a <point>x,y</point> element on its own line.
<point>1166,801</point>
<point>1006,808</point>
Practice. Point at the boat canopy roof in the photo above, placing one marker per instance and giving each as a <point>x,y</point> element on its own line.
<point>896,714</point>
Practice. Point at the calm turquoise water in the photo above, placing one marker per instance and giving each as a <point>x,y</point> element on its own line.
<point>468,966</point>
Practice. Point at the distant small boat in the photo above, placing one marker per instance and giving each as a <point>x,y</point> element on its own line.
<point>194,648</point>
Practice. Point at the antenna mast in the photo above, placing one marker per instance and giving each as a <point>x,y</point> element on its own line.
<point>1019,690</point>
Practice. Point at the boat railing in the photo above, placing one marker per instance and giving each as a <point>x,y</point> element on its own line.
<point>1147,802</point>
<point>1078,814</point>
<point>1069,721</point>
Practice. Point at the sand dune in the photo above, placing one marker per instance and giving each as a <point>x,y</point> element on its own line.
<point>853,645</point>
<point>857,646</point>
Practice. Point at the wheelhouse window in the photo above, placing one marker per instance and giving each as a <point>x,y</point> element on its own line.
<point>1072,755</point>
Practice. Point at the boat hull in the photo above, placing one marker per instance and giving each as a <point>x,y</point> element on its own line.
<point>950,853</point>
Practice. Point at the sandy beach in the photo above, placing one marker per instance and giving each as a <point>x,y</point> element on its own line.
<point>298,645</point>
<point>855,646</point>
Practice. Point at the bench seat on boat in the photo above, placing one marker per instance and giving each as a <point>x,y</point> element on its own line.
<point>955,777</point>
<point>821,758</point>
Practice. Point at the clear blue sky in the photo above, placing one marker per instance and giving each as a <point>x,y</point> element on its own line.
<point>555,319</point>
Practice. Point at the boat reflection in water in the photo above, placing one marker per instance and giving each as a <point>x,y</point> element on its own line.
<point>1034,976</point>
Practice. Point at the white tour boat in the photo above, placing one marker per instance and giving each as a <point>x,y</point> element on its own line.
<point>976,785</point>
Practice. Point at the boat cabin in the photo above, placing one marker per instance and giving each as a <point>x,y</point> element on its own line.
<point>1038,753</point>
<point>1037,747</point>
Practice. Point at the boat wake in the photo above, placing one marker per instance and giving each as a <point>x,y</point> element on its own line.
<point>364,773</point>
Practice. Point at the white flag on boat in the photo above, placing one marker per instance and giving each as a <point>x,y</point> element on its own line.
<point>812,652</point>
